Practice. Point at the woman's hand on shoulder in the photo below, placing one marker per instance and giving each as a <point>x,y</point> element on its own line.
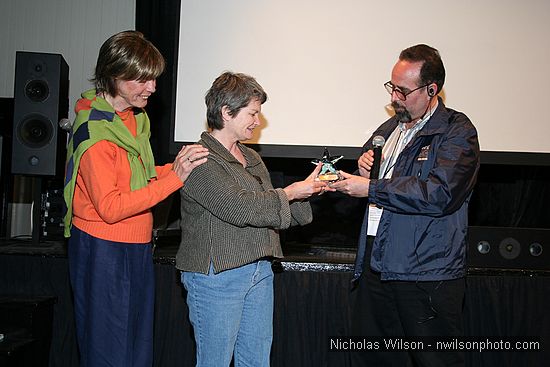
<point>189,157</point>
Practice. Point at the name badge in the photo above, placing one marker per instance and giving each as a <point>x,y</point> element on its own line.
<point>374,219</point>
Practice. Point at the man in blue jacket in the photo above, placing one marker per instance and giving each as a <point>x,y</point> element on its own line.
<point>410,264</point>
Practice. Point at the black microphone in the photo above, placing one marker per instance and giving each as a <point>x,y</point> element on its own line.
<point>377,142</point>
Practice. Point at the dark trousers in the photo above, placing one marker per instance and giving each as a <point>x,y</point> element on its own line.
<point>407,309</point>
<point>113,288</point>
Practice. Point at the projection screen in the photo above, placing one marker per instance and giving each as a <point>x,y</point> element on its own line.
<point>323,64</point>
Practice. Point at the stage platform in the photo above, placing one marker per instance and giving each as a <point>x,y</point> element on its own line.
<point>313,302</point>
<point>321,258</point>
<point>297,256</point>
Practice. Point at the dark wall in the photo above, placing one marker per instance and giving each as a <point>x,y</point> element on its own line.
<point>511,196</point>
<point>505,196</point>
<point>159,22</point>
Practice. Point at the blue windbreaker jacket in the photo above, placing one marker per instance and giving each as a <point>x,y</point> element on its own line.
<point>422,231</point>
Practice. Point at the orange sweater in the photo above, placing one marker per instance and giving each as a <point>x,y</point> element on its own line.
<point>104,206</point>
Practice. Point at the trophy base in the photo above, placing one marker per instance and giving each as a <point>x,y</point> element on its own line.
<point>331,177</point>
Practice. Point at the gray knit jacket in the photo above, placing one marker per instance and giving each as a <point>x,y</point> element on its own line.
<point>230,214</point>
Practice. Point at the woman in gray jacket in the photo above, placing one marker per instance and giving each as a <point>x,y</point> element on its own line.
<point>230,218</point>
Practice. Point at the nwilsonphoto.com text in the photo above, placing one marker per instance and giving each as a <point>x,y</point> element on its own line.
<point>434,344</point>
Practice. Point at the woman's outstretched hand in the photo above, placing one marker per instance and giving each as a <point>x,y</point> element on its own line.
<point>308,187</point>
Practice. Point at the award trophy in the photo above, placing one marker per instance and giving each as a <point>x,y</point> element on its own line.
<point>328,172</point>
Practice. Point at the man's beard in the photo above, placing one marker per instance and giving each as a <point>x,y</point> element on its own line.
<point>401,113</point>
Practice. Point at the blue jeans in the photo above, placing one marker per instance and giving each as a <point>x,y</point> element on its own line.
<point>232,314</point>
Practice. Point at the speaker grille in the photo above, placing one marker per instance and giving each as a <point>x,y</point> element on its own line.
<point>509,248</point>
<point>37,90</point>
<point>35,131</point>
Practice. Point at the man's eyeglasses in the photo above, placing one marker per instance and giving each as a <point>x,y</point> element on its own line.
<point>398,92</point>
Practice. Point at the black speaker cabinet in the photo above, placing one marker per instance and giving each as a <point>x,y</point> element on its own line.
<point>41,100</point>
<point>6,184</point>
<point>509,248</point>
